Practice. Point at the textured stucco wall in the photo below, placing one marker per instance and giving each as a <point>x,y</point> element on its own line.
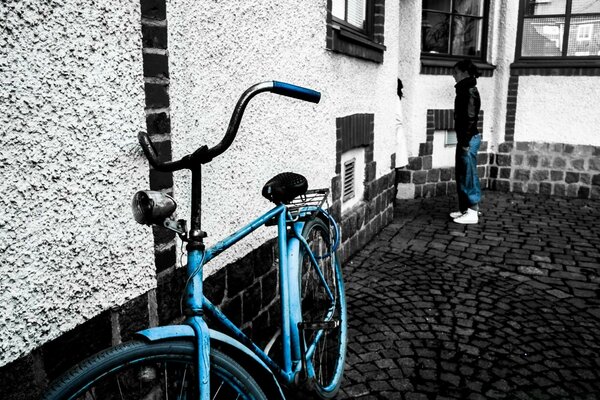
<point>71,90</point>
<point>555,109</point>
<point>217,50</point>
<point>409,66</point>
<point>505,25</point>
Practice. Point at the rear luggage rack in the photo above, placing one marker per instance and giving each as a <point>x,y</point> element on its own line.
<point>312,198</point>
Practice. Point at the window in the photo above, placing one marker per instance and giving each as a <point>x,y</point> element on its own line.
<point>450,139</point>
<point>352,12</point>
<point>355,28</point>
<point>454,28</point>
<point>584,32</point>
<point>559,29</point>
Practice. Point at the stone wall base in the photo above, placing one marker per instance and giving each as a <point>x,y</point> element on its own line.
<point>524,167</point>
<point>370,216</point>
<point>547,168</point>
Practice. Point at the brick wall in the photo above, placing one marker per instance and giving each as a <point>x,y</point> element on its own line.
<point>429,181</point>
<point>368,217</point>
<point>547,168</point>
<point>556,169</point>
<point>158,119</point>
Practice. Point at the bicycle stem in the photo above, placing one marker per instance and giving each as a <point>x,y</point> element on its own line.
<point>196,235</point>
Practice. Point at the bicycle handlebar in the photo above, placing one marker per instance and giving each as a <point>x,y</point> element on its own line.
<point>204,154</point>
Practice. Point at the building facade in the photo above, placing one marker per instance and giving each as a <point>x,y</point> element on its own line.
<point>80,80</point>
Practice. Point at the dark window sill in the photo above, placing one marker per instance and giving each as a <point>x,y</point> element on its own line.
<point>556,67</point>
<point>347,41</point>
<point>443,65</point>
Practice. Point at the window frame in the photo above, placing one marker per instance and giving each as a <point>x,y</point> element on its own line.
<point>453,58</point>
<point>553,61</point>
<point>345,38</point>
<point>367,30</point>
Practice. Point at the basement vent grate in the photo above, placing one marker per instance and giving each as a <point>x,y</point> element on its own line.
<point>349,167</point>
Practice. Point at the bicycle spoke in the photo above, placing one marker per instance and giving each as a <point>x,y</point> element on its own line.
<point>166,383</point>
<point>120,390</point>
<point>183,383</point>
<point>322,305</point>
<point>218,390</point>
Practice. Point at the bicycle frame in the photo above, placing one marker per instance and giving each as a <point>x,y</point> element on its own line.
<point>294,355</point>
<point>290,249</point>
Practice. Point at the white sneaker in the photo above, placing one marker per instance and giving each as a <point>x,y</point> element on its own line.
<point>470,217</point>
<point>456,214</point>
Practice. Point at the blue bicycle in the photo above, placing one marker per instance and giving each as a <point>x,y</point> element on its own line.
<point>191,361</point>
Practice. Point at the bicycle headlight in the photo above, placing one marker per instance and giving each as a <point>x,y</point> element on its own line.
<point>152,207</point>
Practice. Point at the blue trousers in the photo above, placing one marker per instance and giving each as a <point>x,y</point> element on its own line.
<point>467,181</point>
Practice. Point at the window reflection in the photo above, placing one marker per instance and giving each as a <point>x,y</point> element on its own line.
<point>545,36</point>
<point>452,27</point>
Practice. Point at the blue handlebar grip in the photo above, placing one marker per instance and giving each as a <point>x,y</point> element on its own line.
<point>296,92</point>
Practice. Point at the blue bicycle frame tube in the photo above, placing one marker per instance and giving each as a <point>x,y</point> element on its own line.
<point>194,303</point>
<point>224,244</point>
<point>289,250</point>
<point>279,212</point>
<point>284,293</point>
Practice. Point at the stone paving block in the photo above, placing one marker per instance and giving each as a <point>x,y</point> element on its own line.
<point>444,308</point>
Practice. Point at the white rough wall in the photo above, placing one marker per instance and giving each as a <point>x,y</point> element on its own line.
<point>409,67</point>
<point>216,51</point>
<point>71,90</point>
<point>558,109</point>
<point>505,22</point>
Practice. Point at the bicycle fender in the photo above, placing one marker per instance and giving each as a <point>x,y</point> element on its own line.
<point>250,361</point>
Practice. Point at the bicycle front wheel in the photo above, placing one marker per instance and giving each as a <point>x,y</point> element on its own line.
<point>323,306</point>
<point>163,370</point>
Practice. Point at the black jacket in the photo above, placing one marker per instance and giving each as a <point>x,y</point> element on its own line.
<point>466,110</point>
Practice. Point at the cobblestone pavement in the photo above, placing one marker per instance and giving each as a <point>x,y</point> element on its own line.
<point>506,309</point>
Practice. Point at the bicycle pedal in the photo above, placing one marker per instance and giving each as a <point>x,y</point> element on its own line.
<point>318,325</point>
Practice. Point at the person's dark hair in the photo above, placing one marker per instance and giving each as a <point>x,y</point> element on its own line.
<point>468,66</point>
<point>399,90</point>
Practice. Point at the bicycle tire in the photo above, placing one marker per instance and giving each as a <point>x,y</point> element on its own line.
<point>329,356</point>
<point>108,374</point>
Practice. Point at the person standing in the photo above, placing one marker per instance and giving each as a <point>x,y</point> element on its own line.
<point>401,144</point>
<point>466,115</point>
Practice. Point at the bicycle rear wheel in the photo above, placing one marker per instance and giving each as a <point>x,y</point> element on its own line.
<point>321,308</point>
<point>163,370</point>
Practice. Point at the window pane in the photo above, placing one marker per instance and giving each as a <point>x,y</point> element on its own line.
<point>585,6</point>
<point>542,37</point>
<point>434,33</point>
<point>440,5</point>
<point>357,13</point>
<point>338,8</point>
<point>584,36</point>
<point>469,7</point>
<point>466,36</point>
<point>545,7</point>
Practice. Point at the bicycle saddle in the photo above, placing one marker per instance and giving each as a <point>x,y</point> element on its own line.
<point>285,187</point>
